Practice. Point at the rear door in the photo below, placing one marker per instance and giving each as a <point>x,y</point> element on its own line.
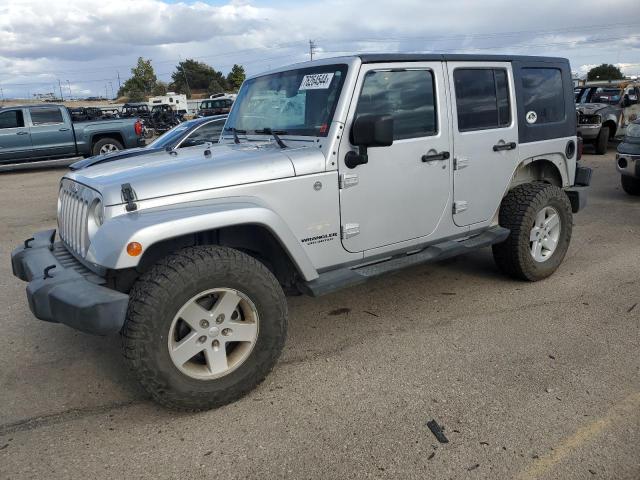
<point>402,192</point>
<point>51,135</point>
<point>15,140</point>
<point>485,136</point>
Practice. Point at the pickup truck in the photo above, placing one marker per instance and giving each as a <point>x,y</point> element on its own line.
<point>43,132</point>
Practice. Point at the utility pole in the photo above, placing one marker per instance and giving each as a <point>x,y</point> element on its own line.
<point>111,87</point>
<point>184,74</point>
<point>69,85</point>
<point>312,48</point>
<point>106,94</point>
<point>119,86</point>
<point>60,87</point>
<point>2,94</point>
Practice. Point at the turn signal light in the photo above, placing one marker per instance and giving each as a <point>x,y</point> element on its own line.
<point>134,249</point>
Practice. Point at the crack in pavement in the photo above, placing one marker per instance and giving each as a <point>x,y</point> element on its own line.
<point>39,421</point>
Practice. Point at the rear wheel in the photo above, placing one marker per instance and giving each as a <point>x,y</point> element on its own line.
<point>540,220</point>
<point>106,145</point>
<point>630,185</point>
<point>205,326</point>
<point>602,142</point>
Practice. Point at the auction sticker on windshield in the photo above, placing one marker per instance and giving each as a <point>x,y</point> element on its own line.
<point>316,81</point>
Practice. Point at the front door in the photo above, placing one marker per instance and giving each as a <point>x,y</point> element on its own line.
<point>485,136</point>
<point>402,192</point>
<point>15,140</point>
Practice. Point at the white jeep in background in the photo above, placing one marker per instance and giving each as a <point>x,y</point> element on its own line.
<point>328,173</point>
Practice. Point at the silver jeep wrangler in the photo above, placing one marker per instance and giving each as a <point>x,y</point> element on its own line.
<point>327,174</point>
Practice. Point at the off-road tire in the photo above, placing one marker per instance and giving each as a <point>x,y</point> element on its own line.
<point>95,150</point>
<point>157,296</point>
<point>630,185</point>
<point>602,142</point>
<point>517,213</point>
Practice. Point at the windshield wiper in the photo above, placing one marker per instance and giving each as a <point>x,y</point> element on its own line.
<point>275,134</point>
<point>235,132</point>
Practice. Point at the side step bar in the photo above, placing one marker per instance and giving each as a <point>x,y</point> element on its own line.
<point>346,277</point>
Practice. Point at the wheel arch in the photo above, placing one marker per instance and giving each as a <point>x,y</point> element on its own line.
<point>252,228</point>
<point>95,138</point>
<point>549,169</point>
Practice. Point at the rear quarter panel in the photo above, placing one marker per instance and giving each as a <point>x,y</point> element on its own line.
<point>87,131</point>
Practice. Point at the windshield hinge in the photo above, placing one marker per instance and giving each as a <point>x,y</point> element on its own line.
<point>129,197</point>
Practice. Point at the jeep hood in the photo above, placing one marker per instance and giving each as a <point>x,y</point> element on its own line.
<point>194,169</point>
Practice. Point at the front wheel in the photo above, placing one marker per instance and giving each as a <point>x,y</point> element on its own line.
<point>630,185</point>
<point>540,220</point>
<point>204,326</point>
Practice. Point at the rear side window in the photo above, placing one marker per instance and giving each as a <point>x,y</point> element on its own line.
<point>543,95</point>
<point>44,115</point>
<point>406,95</point>
<point>11,119</point>
<point>482,98</point>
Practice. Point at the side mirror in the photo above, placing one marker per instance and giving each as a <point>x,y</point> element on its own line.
<point>369,131</point>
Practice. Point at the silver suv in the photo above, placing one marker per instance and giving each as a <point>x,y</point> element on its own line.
<point>328,173</point>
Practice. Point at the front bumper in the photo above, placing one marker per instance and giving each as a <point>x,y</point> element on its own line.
<point>589,131</point>
<point>68,292</point>
<point>628,164</point>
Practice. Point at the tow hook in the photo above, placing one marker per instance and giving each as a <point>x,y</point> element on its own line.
<point>47,270</point>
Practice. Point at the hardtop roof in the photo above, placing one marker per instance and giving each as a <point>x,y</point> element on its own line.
<point>451,57</point>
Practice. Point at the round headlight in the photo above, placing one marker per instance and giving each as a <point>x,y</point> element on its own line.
<point>633,130</point>
<point>98,212</point>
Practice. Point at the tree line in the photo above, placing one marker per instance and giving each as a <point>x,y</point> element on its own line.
<point>190,76</point>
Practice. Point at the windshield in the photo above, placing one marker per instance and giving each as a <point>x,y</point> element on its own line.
<point>171,137</point>
<point>295,102</point>
<point>609,95</point>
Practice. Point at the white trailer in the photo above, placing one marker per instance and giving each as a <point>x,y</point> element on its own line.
<point>176,101</point>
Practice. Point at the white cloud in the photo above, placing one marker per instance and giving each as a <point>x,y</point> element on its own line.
<point>89,41</point>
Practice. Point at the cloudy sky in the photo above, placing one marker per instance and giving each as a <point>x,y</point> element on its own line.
<point>85,43</point>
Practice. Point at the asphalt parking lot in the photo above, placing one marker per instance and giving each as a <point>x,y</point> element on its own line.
<point>529,380</point>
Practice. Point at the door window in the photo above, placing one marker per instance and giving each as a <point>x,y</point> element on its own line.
<point>207,133</point>
<point>45,115</point>
<point>406,95</point>
<point>482,98</point>
<point>543,93</point>
<point>11,119</point>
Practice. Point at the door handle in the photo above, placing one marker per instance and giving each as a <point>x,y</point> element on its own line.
<point>63,129</point>
<point>22,133</point>
<point>432,157</point>
<point>504,146</point>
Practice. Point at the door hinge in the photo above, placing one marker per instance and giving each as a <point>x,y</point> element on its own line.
<point>460,206</point>
<point>460,162</point>
<point>349,230</point>
<point>348,180</point>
